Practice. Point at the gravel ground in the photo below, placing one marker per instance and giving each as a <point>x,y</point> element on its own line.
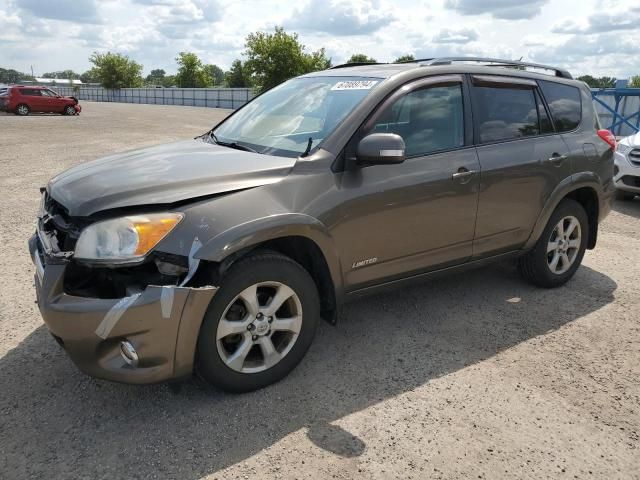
<point>473,376</point>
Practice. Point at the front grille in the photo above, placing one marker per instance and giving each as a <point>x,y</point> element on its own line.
<point>634,157</point>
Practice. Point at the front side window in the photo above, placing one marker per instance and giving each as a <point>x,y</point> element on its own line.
<point>564,103</point>
<point>429,120</point>
<point>284,120</point>
<point>505,113</point>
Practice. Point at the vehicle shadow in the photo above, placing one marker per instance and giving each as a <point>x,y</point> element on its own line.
<point>58,423</point>
<point>628,207</point>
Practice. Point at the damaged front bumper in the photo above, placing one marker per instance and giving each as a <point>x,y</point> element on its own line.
<point>161,323</point>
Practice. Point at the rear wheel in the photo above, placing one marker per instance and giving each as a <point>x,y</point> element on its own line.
<point>624,196</point>
<point>22,109</point>
<point>69,110</point>
<point>560,249</point>
<point>259,324</point>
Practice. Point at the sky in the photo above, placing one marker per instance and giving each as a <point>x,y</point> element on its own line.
<point>598,37</point>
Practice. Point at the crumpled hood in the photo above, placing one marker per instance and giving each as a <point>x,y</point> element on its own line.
<point>163,174</point>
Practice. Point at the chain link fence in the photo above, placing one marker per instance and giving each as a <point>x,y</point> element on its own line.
<point>231,98</point>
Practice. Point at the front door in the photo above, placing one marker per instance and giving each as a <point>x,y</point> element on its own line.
<point>419,215</point>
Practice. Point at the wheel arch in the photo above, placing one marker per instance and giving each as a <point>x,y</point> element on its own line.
<point>584,188</point>
<point>298,236</point>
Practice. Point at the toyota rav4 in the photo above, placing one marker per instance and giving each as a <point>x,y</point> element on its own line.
<point>220,254</point>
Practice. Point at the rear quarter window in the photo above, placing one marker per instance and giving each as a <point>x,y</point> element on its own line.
<point>564,103</point>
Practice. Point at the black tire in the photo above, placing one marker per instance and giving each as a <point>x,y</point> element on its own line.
<point>534,265</point>
<point>69,110</point>
<point>22,110</point>
<point>624,196</point>
<point>254,269</point>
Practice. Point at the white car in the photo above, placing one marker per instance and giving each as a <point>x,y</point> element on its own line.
<point>627,167</point>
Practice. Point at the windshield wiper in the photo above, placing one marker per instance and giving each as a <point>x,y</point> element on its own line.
<point>235,145</point>
<point>308,149</point>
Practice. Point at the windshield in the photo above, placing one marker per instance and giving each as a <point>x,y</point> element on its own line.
<point>293,118</point>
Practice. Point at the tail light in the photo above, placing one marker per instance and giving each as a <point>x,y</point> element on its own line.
<point>608,137</point>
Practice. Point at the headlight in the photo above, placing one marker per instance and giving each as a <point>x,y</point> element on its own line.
<point>125,239</point>
<point>623,149</point>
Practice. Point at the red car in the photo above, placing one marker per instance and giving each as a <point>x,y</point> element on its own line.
<point>23,100</point>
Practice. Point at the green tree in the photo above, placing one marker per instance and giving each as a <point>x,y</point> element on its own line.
<point>169,81</point>
<point>191,72</point>
<point>634,82</point>
<point>70,74</point>
<point>114,70</point>
<point>275,57</point>
<point>156,77</point>
<point>405,58</point>
<point>89,77</point>
<point>602,82</point>
<point>237,76</point>
<point>216,74</point>
<point>9,75</point>
<point>361,58</point>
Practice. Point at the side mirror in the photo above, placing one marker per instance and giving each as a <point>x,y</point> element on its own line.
<point>380,149</point>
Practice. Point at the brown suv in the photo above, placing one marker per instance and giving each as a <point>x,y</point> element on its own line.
<point>223,252</point>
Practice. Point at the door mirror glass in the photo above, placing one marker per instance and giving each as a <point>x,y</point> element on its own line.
<point>380,149</point>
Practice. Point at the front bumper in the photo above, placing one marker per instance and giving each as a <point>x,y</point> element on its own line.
<point>161,322</point>
<point>627,177</point>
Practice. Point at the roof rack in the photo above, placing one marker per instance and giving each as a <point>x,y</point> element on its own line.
<point>494,62</point>
<point>356,64</point>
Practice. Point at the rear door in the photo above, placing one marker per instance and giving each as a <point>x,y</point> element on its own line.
<point>33,98</point>
<point>522,160</point>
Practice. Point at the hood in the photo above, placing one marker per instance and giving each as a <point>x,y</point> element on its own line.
<point>632,140</point>
<point>162,175</point>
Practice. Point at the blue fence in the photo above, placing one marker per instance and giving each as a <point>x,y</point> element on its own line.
<point>197,97</point>
<point>619,109</point>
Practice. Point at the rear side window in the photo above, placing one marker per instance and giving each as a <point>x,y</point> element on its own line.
<point>30,92</point>
<point>505,113</point>
<point>564,103</point>
<point>429,120</point>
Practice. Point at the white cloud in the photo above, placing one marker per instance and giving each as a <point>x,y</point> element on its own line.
<point>599,37</point>
<point>504,9</point>
<point>340,17</point>
<point>461,35</point>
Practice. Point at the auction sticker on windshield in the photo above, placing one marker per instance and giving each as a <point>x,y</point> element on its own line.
<point>354,85</point>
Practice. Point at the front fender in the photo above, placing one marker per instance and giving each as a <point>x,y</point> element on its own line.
<point>564,188</point>
<point>280,225</point>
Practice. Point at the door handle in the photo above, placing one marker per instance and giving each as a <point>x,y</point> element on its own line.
<point>463,174</point>
<point>556,159</point>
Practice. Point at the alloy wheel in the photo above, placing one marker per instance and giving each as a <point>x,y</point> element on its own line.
<point>564,244</point>
<point>259,327</point>
<point>23,110</point>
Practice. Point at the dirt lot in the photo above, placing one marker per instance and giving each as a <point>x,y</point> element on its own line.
<point>473,376</point>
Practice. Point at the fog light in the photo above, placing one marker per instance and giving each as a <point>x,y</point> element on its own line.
<point>129,353</point>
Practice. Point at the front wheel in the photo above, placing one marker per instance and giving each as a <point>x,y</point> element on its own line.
<point>559,251</point>
<point>69,110</point>
<point>259,324</point>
